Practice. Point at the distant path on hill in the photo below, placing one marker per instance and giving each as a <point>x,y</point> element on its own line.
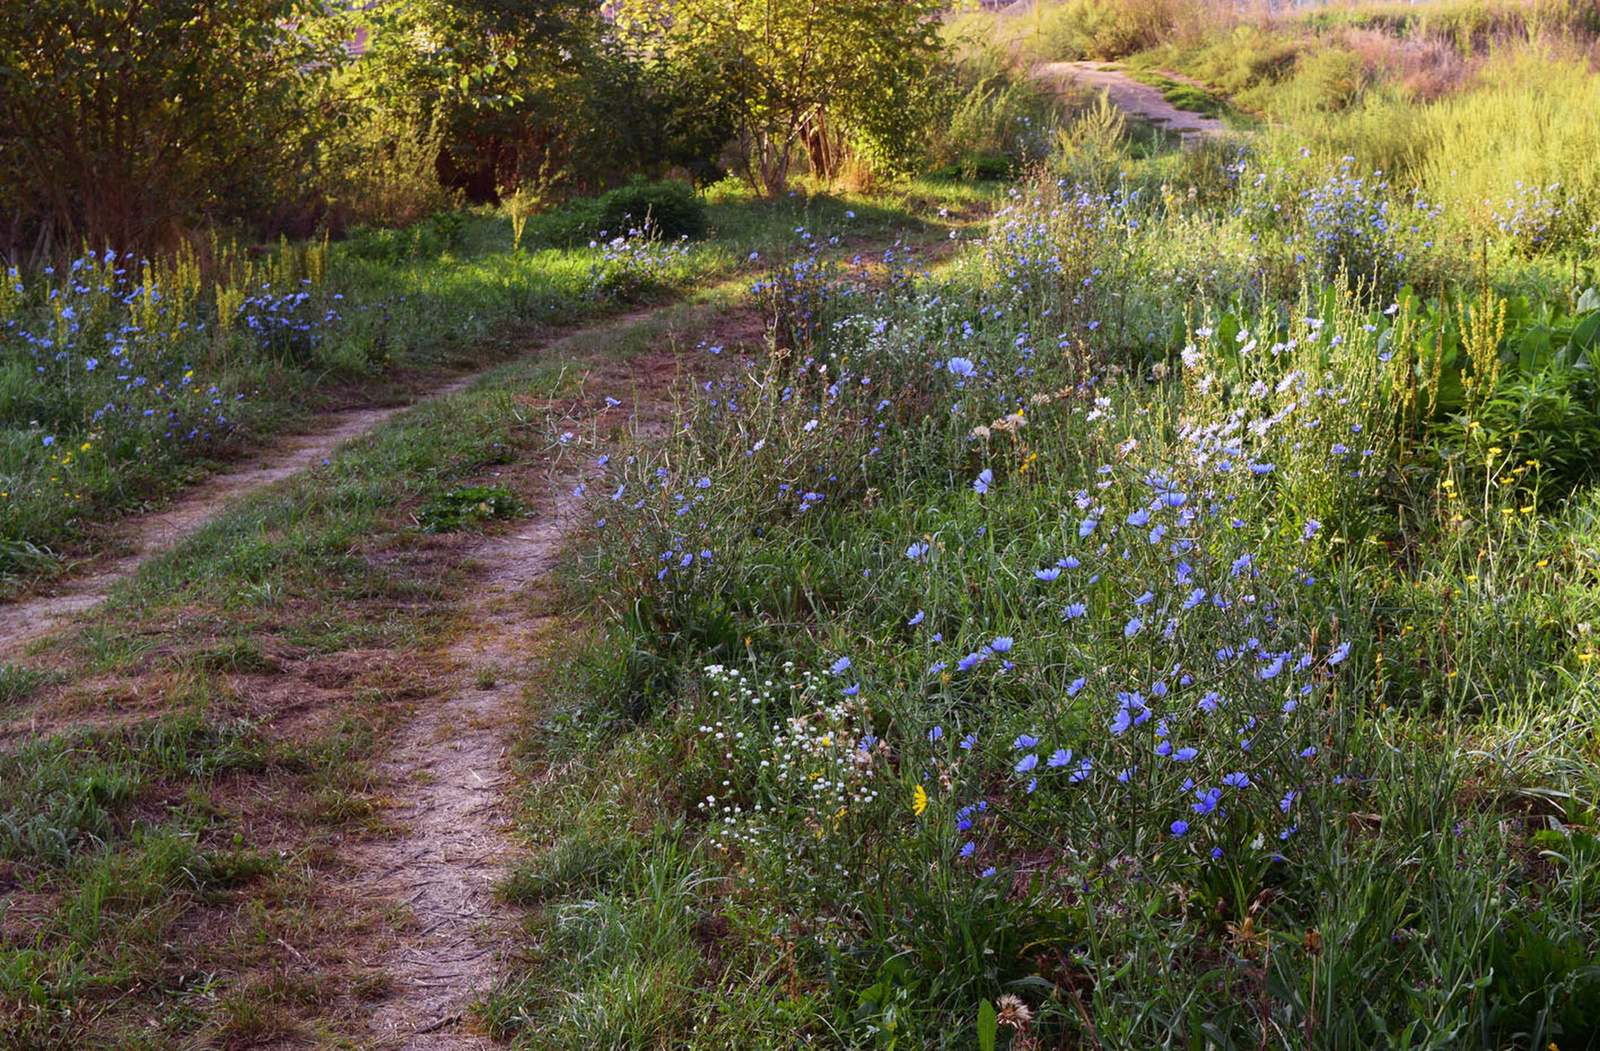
<point>1139,101</point>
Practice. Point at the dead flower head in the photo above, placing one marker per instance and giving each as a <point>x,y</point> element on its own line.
<point>1013,1012</point>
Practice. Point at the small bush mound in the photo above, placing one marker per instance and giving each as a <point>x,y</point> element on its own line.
<point>670,207</point>
<point>398,245</point>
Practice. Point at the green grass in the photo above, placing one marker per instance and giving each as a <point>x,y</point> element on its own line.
<point>1193,98</point>
<point>18,683</point>
<point>117,843</point>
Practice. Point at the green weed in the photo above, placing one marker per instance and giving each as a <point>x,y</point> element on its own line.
<point>465,506</point>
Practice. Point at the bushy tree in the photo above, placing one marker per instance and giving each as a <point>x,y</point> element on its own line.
<point>126,121</point>
<point>801,74</point>
<point>541,95</point>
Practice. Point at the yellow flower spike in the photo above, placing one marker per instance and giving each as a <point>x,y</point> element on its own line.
<point>919,800</point>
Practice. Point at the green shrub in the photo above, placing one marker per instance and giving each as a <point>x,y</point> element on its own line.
<point>995,127</point>
<point>397,245</point>
<point>672,207</point>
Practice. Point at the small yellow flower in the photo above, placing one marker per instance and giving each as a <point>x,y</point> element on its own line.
<point>1527,509</point>
<point>1542,563</point>
<point>84,447</point>
<point>919,800</point>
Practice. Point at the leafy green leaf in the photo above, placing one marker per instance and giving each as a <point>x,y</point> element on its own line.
<point>988,1026</point>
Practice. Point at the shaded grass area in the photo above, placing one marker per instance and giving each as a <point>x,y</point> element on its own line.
<point>146,889</point>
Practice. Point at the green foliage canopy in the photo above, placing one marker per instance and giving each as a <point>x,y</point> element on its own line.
<point>793,69</point>
<point>126,120</point>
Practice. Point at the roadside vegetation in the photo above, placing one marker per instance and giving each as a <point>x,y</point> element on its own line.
<point>1170,625</point>
<point>1034,585</point>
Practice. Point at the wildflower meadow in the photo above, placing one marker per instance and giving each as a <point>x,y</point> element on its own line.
<point>1147,630</point>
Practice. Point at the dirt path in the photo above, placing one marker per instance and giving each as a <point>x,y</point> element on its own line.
<point>448,766</point>
<point>29,620</point>
<point>448,763</point>
<point>1140,101</point>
